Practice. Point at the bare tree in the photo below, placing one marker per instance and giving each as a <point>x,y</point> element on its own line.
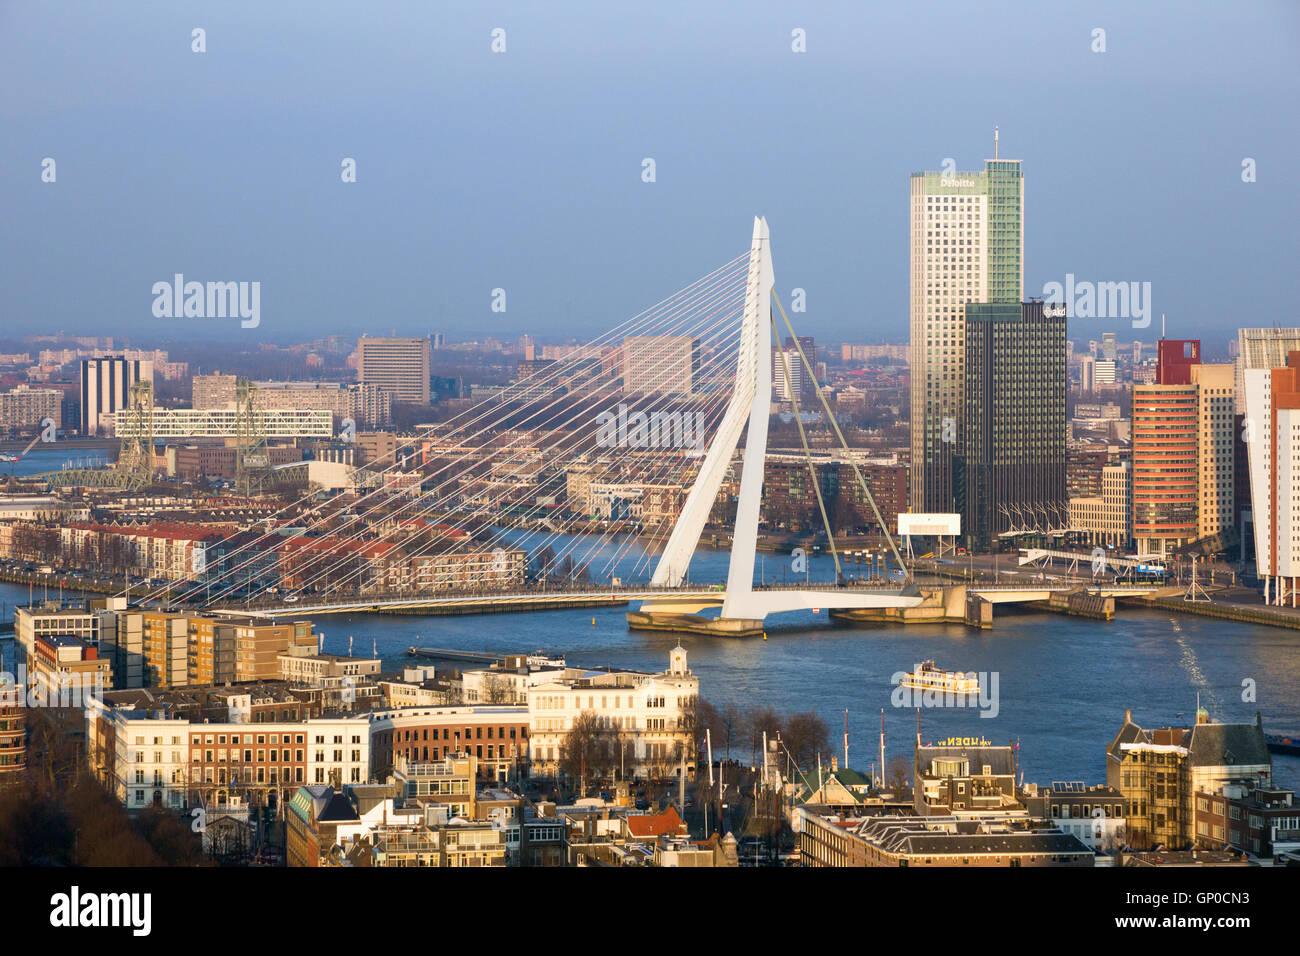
<point>806,735</point>
<point>580,749</point>
<point>497,690</point>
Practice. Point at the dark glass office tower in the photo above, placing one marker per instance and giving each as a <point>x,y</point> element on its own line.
<point>1009,468</point>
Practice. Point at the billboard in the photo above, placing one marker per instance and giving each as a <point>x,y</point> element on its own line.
<point>948,525</point>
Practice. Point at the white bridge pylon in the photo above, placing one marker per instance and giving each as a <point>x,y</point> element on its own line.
<point>749,408</point>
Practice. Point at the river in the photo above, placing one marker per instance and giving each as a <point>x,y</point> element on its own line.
<point>1063,682</point>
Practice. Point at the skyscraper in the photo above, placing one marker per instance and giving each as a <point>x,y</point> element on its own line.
<point>1273,430</point>
<point>1165,423</point>
<point>397,365</point>
<point>967,245</point>
<point>1087,373</point>
<point>1215,440</point>
<point>1262,349</point>
<point>1183,450</point>
<point>1009,471</point>
<point>106,388</point>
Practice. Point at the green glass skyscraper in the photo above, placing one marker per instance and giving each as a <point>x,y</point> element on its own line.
<point>967,246</point>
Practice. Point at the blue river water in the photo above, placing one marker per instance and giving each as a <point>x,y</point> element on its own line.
<point>1063,683</point>
<point>54,457</point>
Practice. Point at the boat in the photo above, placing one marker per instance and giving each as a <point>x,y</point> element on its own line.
<point>1283,744</point>
<point>6,456</point>
<point>928,677</point>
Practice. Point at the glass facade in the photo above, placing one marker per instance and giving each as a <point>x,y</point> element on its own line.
<point>967,246</point>
<point>1009,469</point>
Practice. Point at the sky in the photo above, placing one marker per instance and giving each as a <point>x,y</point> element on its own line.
<point>522,170</point>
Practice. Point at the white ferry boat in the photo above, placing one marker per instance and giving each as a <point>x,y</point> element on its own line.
<point>928,677</point>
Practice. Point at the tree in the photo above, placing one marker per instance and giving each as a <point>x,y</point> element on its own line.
<point>757,722</point>
<point>497,690</point>
<point>580,748</point>
<point>806,735</point>
<point>900,773</point>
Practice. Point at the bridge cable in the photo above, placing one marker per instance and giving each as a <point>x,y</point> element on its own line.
<point>862,483</point>
<point>803,439</point>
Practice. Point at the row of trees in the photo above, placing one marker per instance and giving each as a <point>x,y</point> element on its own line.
<point>592,751</point>
<point>737,732</point>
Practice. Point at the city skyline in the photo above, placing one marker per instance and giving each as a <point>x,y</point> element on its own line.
<point>459,194</point>
<point>405,463</point>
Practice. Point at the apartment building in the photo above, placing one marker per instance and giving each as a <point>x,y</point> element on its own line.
<point>495,735</point>
<point>13,729</point>
<point>1158,771</point>
<point>148,757</point>
<point>26,407</point>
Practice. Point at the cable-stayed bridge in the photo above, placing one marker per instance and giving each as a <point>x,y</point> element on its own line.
<point>587,481</point>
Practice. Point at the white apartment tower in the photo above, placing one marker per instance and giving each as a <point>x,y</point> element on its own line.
<point>967,246</point>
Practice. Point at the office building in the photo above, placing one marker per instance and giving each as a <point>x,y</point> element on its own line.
<point>1183,450</point>
<point>1087,374</point>
<point>787,375</point>
<point>397,365</point>
<point>1272,430</point>
<point>967,245</point>
<point>1216,437</point>
<point>1262,820</point>
<point>660,364</point>
<point>1105,374</point>
<point>1009,470</point>
<point>1165,434</point>
<point>367,405</point>
<point>106,388</point>
<point>1109,351</point>
<point>1106,519</point>
<point>1261,349</point>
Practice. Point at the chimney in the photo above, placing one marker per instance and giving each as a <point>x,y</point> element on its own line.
<point>1128,716</point>
<point>835,763</point>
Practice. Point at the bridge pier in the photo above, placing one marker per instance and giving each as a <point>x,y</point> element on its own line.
<point>694,624</point>
<point>979,612</point>
<point>938,605</point>
<point>1082,603</point>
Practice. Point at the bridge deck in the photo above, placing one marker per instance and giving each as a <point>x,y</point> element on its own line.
<point>764,599</point>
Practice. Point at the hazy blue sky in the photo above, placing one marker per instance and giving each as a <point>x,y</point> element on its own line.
<point>522,170</point>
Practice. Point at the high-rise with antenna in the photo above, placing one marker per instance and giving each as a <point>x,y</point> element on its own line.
<point>967,245</point>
